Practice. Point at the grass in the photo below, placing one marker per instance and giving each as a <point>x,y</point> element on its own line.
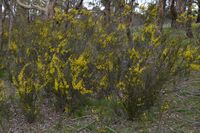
<point>2,73</point>
<point>101,116</point>
<point>182,116</point>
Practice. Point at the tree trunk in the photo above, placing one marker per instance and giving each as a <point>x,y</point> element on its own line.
<point>198,17</point>
<point>1,25</point>
<point>50,8</point>
<point>161,15</point>
<point>129,24</point>
<point>108,10</point>
<point>10,28</point>
<point>189,21</point>
<point>180,7</point>
<point>173,14</point>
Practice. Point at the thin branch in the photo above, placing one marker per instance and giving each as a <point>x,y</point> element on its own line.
<point>31,6</point>
<point>86,116</point>
<point>39,8</point>
<point>80,129</point>
<point>112,130</point>
<point>78,6</point>
<point>9,7</point>
<point>24,5</point>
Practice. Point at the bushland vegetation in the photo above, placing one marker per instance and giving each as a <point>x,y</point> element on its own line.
<point>72,56</point>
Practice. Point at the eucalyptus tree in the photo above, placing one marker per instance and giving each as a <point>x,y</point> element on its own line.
<point>198,10</point>
<point>189,19</point>
<point>177,7</point>
<point>161,14</point>
<point>47,8</point>
<point>1,24</point>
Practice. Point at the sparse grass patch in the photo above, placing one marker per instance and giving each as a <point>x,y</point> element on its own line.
<point>2,73</point>
<point>4,108</point>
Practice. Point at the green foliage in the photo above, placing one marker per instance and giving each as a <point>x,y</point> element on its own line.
<point>183,18</point>
<point>4,107</point>
<point>1,73</point>
<point>155,65</point>
<point>76,55</point>
<point>28,88</point>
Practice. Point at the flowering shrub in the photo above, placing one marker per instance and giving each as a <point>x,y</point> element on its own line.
<point>76,55</point>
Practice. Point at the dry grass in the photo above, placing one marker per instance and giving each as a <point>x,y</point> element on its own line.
<point>182,116</point>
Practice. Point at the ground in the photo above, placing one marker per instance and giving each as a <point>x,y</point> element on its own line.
<point>181,114</point>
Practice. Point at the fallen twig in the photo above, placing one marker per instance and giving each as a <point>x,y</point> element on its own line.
<point>86,116</point>
<point>112,130</point>
<point>82,128</point>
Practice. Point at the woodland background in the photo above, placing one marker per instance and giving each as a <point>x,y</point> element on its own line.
<point>120,66</point>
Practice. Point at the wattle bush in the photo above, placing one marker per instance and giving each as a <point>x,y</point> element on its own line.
<point>77,55</point>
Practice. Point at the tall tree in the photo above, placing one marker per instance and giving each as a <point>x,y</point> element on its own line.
<point>1,24</point>
<point>173,13</point>
<point>48,9</point>
<point>107,5</point>
<point>161,14</point>
<point>177,7</point>
<point>189,20</point>
<point>10,23</point>
<point>198,12</point>
<point>129,23</point>
<point>180,7</point>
